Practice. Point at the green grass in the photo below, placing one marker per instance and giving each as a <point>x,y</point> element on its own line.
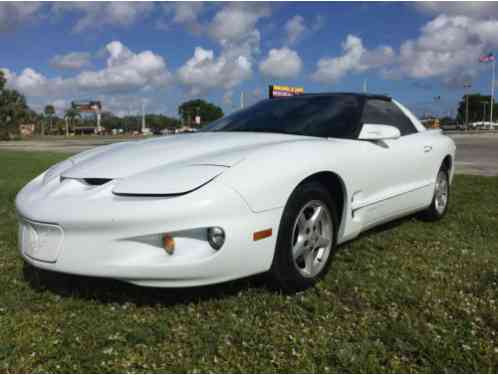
<point>410,297</point>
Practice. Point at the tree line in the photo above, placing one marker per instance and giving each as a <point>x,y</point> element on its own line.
<point>14,111</point>
<point>478,108</point>
<point>50,123</point>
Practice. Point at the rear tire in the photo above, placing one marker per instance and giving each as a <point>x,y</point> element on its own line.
<point>441,198</point>
<point>307,239</point>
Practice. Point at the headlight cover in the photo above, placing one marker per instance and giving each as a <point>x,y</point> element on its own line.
<point>167,181</point>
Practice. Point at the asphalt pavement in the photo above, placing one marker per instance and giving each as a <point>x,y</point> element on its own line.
<point>476,153</point>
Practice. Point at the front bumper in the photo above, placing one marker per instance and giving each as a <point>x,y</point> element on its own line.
<point>105,235</point>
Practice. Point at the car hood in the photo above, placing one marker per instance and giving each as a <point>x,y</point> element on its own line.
<point>171,164</point>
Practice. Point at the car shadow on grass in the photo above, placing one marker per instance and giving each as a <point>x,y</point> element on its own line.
<point>115,291</point>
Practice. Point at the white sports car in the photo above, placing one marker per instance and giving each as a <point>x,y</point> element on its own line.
<point>271,188</point>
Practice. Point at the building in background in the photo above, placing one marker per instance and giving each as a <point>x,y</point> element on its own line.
<point>27,130</point>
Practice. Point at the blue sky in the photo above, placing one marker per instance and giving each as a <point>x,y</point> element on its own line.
<point>165,53</point>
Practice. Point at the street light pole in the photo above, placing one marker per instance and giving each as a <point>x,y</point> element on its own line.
<point>437,101</point>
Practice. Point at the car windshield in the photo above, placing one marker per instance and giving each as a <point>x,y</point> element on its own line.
<point>334,115</point>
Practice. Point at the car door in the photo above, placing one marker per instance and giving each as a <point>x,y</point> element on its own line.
<point>395,180</point>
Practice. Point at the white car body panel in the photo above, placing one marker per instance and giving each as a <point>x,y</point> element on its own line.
<point>238,181</point>
<point>168,180</point>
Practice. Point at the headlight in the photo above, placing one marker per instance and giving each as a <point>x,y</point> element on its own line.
<point>216,237</point>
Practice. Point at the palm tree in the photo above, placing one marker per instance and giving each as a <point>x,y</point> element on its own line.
<point>70,115</point>
<point>49,112</point>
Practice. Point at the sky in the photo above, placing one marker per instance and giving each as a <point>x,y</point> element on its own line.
<point>126,54</point>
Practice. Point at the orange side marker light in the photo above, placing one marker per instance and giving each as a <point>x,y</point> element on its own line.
<point>262,234</point>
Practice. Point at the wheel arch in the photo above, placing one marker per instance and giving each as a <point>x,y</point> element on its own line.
<point>448,163</point>
<point>337,189</point>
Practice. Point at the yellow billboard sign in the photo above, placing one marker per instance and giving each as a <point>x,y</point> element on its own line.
<point>279,91</point>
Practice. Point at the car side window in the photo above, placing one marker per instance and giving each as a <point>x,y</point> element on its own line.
<point>385,112</point>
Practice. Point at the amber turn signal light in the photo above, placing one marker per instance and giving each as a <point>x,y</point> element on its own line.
<point>262,234</point>
<point>169,244</point>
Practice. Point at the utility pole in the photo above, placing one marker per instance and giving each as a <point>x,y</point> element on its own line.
<point>143,116</point>
<point>365,85</point>
<point>467,85</point>
<point>492,89</point>
<point>467,110</point>
<point>242,100</point>
<point>484,104</point>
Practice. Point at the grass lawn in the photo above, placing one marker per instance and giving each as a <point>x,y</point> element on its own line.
<point>408,297</point>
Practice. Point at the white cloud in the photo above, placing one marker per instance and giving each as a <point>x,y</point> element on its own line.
<point>281,63</point>
<point>332,69</point>
<point>72,60</point>
<point>127,105</point>
<point>97,14</point>
<point>475,9</point>
<point>204,72</point>
<point>60,106</point>
<point>183,13</point>
<point>187,12</point>
<point>356,58</point>
<point>378,57</point>
<point>295,29</point>
<point>29,82</point>
<point>234,28</point>
<point>12,14</point>
<point>235,21</point>
<point>446,46</point>
<point>247,47</point>
<point>125,71</point>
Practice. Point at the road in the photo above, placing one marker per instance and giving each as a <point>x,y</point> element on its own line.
<point>476,153</point>
<point>62,144</point>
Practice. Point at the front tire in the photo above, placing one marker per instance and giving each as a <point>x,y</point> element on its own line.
<point>440,200</point>
<point>307,238</point>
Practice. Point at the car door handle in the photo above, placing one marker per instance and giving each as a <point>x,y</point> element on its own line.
<point>427,148</point>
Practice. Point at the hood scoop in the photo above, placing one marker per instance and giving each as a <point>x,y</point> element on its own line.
<point>96,181</point>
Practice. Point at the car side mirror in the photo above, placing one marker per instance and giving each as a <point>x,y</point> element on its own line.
<point>377,132</point>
